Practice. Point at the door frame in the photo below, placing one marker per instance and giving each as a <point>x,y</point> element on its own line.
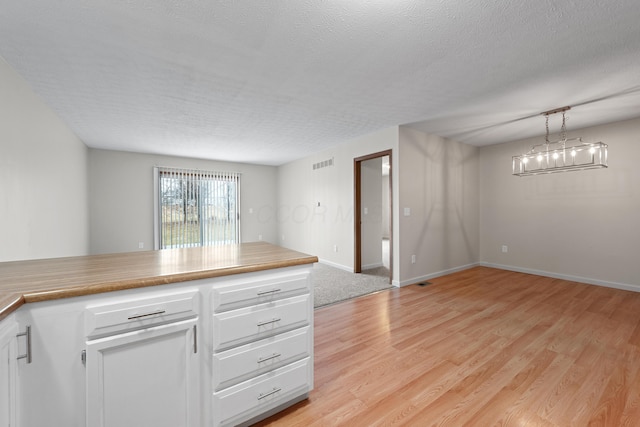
<point>357,190</point>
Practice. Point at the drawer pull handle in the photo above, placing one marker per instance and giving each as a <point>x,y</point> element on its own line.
<point>273,356</point>
<point>269,393</point>
<point>267,322</point>
<point>138,316</point>
<point>272,291</point>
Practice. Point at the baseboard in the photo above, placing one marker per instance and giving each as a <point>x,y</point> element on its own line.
<point>370,266</point>
<point>579,279</point>
<point>434,275</point>
<point>335,265</point>
<point>587,280</point>
<point>349,269</point>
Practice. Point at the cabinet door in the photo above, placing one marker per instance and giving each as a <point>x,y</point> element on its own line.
<point>8,330</point>
<point>144,378</point>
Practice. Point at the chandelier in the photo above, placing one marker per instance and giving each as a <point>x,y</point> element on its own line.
<point>560,156</point>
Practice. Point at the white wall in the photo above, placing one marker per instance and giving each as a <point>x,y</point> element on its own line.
<point>579,225</point>
<point>439,184</point>
<point>315,229</point>
<point>43,178</point>
<point>121,198</point>
<point>371,215</point>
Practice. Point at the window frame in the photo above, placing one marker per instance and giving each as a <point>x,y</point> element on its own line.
<point>157,205</point>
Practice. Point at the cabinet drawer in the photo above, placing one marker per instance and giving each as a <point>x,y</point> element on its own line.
<point>233,328</point>
<point>256,396</point>
<point>116,317</point>
<point>239,364</point>
<point>237,294</point>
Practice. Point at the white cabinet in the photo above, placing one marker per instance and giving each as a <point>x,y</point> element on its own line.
<point>250,360</point>
<point>250,292</point>
<point>8,364</point>
<point>262,346</point>
<point>258,395</point>
<point>261,321</point>
<point>143,369</point>
<point>144,378</point>
<point>128,358</point>
<point>51,386</point>
<point>211,352</point>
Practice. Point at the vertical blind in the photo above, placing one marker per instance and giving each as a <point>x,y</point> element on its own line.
<point>196,208</point>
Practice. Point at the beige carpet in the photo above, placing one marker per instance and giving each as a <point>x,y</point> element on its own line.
<point>332,285</point>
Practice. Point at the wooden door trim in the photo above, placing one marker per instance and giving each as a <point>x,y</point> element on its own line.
<point>357,191</point>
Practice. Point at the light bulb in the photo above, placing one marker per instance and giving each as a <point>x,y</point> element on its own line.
<point>525,160</point>
<point>592,150</point>
<point>555,156</point>
<point>573,153</point>
<point>539,158</point>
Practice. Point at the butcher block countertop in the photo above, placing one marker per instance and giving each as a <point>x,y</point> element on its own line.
<point>47,279</point>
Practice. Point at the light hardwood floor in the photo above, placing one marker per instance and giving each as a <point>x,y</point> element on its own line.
<point>480,347</point>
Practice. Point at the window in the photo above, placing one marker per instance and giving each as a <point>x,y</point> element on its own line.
<point>196,208</point>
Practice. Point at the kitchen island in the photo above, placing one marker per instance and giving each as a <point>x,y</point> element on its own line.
<point>199,336</point>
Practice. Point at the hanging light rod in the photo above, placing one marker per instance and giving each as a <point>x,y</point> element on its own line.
<point>560,156</point>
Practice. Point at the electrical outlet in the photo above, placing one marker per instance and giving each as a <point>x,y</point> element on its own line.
<point>505,249</point>
<point>260,237</point>
<point>413,259</point>
<point>140,245</point>
<point>283,237</point>
<point>335,248</point>
<point>407,211</point>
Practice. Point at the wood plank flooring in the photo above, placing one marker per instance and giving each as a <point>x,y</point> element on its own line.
<point>481,347</point>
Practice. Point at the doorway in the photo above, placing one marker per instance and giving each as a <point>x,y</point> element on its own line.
<point>373,215</point>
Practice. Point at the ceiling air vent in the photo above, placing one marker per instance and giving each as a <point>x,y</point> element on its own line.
<point>323,164</point>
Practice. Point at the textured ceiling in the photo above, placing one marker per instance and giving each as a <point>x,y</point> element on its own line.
<point>271,81</point>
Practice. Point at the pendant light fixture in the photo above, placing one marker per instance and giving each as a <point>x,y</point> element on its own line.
<point>560,156</point>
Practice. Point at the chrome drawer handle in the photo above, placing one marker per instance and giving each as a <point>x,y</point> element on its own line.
<point>272,291</point>
<point>267,322</point>
<point>274,391</point>
<point>138,316</point>
<point>273,356</point>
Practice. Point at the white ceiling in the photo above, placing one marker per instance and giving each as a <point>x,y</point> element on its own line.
<point>268,82</point>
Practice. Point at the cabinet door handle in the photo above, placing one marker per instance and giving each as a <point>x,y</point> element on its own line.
<point>269,393</point>
<point>273,356</point>
<point>267,322</point>
<point>195,339</point>
<point>138,316</point>
<point>271,291</point>
<point>27,335</point>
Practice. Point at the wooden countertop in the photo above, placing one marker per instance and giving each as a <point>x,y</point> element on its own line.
<point>47,279</point>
